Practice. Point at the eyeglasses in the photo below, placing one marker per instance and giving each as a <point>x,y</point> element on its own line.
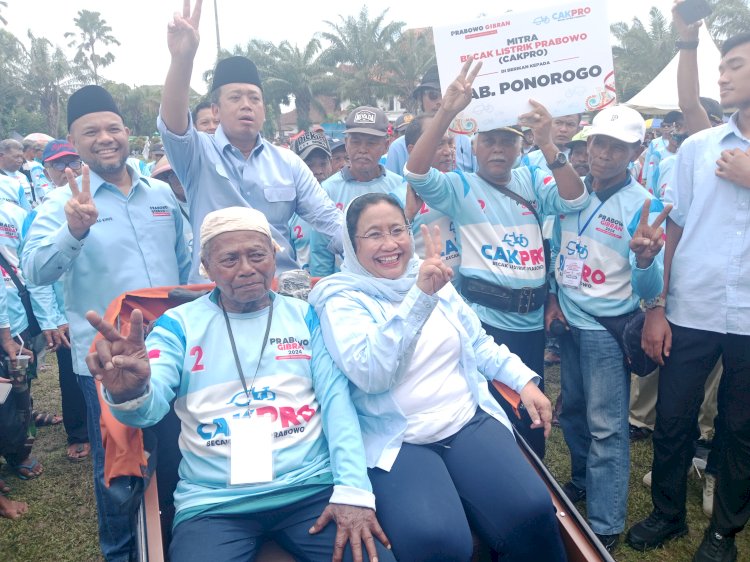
<point>60,166</point>
<point>434,95</point>
<point>397,232</point>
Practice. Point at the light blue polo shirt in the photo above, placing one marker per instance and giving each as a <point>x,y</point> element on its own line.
<point>137,242</point>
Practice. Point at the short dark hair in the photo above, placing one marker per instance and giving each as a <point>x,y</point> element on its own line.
<point>358,206</point>
<point>200,107</point>
<point>415,128</point>
<point>673,117</point>
<point>735,41</point>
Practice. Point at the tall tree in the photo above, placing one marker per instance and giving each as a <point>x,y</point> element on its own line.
<point>299,73</point>
<point>729,17</point>
<point>642,52</point>
<point>48,77</point>
<point>3,4</point>
<point>93,32</point>
<point>359,47</point>
<point>12,89</point>
<point>411,56</point>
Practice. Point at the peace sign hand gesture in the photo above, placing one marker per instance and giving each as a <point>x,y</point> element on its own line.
<point>458,95</point>
<point>120,363</point>
<point>80,210</point>
<point>433,273</point>
<point>182,33</point>
<point>648,239</point>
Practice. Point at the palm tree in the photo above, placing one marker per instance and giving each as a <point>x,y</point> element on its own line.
<point>300,74</point>
<point>729,17</point>
<point>642,52</point>
<point>92,31</point>
<point>359,48</point>
<point>410,57</point>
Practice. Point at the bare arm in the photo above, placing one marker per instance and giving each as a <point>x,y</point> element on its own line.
<point>183,40</point>
<point>688,87</point>
<point>569,184</point>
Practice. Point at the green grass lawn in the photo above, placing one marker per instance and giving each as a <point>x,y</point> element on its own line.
<point>61,523</point>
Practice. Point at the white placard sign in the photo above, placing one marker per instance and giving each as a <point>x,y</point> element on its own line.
<point>559,56</point>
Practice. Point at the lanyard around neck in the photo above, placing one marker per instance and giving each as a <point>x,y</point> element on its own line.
<point>236,355</point>
<point>581,230</point>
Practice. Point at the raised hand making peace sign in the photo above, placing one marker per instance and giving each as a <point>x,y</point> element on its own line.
<point>80,210</point>
<point>120,363</point>
<point>648,239</point>
<point>458,95</point>
<point>433,273</point>
<point>182,34</point>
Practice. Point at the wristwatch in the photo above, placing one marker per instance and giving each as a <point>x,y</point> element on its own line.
<point>560,160</point>
<point>656,302</point>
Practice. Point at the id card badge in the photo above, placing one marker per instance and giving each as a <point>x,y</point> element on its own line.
<point>572,273</point>
<point>250,451</point>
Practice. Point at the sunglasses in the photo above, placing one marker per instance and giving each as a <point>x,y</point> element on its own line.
<point>434,95</point>
<point>60,166</point>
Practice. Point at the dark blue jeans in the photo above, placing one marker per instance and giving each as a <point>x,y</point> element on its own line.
<point>477,477</point>
<point>238,538</point>
<point>113,503</point>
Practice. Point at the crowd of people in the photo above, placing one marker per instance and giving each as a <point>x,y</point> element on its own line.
<point>444,265</point>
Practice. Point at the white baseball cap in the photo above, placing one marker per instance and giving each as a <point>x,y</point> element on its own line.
<point>620,122</point>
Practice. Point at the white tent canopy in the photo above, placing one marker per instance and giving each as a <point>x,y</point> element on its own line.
<point>660,96</point>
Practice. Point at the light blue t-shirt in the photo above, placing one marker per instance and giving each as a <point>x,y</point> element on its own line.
<point>499,240</point>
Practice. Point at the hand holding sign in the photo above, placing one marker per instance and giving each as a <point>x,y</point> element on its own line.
<point>648,239</point>
<point>433,273</point>
<point>540,121</point>
<point>120,363</point>
<point>80,210</point>
<point>458,95</point>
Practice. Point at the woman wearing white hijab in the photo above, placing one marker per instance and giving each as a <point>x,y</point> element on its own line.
<point>439,448</point>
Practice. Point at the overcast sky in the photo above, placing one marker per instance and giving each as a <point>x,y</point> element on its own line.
<point>140,25</point>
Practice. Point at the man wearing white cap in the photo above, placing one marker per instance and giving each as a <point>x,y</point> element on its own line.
<point>607,258</point>
<point>271,444</point>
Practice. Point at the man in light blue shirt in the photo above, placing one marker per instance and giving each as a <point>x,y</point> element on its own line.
<point>108,232</point>
<point>236,166</point>
<point>503,265</point>
<point>366,139</point>
<point>706,315</point>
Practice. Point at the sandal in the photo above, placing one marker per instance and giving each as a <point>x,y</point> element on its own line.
<point>42,419</point>
<point>78,452</point>
<point>28,470</point>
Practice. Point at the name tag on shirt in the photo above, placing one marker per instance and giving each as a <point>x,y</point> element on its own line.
<point>572,272</point>
<point>251,451</point>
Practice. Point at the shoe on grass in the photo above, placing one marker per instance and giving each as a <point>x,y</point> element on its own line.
<point>654,531</point>
<point>647,479</point>
<point>639,433</point>
<point>716,548</point>
<point>609,542</point>
<point>709,484</point>
<point>574,493</point>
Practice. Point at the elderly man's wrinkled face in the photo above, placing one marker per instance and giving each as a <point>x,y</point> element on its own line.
<point>242,264</point>
<point>12,160</point>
